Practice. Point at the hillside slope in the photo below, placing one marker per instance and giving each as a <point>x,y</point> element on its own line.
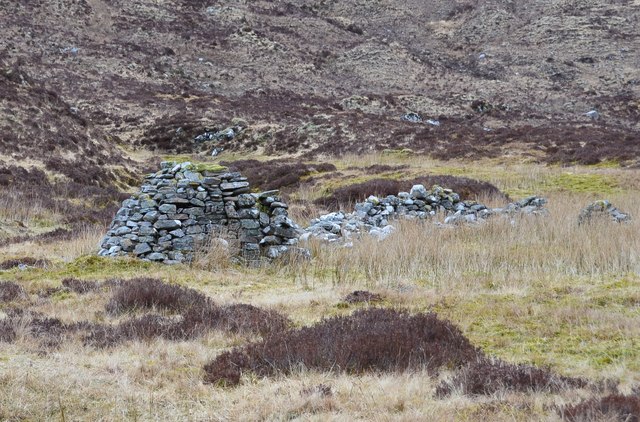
<point>501,77</point>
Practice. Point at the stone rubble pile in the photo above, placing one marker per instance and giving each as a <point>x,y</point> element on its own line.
<point>178,209</point>
<point>373,215</point>
<point>599,209</point>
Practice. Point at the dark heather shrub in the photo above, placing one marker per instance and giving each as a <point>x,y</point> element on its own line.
<point>196,314</point>
<point>80,286</point>
<point>613,407</point>
<point>146,327</point>
<point>362,296</point>
<point>248,318</point>
<point>368,340</point>
<point>50,332</point>
<point>28,261</point>
<point>485,377</point>
<point>146,293</point>
<point>194,323</point>
<point>348,195</point>
<point>7,333</point>
<point>276,174</point>
<point>10,291</point>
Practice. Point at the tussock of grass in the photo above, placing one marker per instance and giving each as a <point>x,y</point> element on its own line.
<point>518,248</point>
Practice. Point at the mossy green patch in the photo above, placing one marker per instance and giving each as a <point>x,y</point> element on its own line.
<point>195,165</point>
<point>212,167</point>
<point>568,327</point>
<point>582,183</point>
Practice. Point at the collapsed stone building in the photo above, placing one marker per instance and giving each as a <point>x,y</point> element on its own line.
<point>179,209</point>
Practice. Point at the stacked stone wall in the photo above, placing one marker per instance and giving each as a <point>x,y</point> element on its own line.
<point>178,209</point>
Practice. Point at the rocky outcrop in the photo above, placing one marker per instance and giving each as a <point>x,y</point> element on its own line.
<point>179,208</point>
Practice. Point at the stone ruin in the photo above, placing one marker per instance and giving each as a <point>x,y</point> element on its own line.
<point>373,215</point>
<point>600,209</point>
<point>179,209</point>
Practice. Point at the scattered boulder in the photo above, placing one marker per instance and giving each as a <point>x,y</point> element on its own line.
<point>411,117</point>
<point>600,209</point>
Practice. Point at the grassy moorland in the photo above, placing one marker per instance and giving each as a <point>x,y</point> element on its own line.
<point>539,291</point>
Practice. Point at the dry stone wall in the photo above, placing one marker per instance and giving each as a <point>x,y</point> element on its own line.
<point>178,209</point>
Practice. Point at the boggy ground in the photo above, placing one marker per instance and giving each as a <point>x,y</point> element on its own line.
<point>539,291</point>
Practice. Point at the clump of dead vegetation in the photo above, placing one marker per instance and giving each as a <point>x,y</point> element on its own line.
<point>385,340</point>
<point>81,286</point>
<point>168,311</point>
<point>148,293</point>
<point>27,261</point>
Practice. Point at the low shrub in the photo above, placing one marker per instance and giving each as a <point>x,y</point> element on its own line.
<point>147,293</point>
<point>81,286</point>
<point>10,291</point>
<point>27,260</point>
<point>485,377</point>
<point>368,340</point>
<point>145,327</point>
<point>348,195</point>
<point>276,174</point>
<point>362,296</point>
<point>243,317</point>
<point>612,407</point>
<point>196,314</point>
<point>7,332</point>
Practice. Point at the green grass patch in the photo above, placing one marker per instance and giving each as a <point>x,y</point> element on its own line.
<point>582,183</point>
<point>569,327</point>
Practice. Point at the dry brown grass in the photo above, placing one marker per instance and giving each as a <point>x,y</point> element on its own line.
<point>507,250</point>
<point>215,254</point>
<point>543,291</point>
